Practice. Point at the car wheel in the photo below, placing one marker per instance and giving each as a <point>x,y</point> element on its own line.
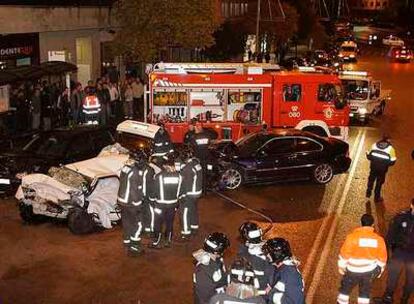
<point>323,173</point>
<point>232,178</point>
<point>27,214</point>
<point>80,222</point>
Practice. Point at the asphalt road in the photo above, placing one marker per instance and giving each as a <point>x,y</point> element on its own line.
<point>45,263</point>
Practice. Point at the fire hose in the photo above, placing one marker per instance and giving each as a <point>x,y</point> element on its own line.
<point>226,198</point>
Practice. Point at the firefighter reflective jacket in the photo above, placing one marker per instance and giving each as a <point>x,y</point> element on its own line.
<point>289,287</point>
<point>192,178</point>
<point>201,142</point>
<point>131,181</point>
<point>362,251</point>
<point>167,187</point>
<point>162,144</point>
<point>91,104</point>
<point>401,232</point>
<point>382,155</point>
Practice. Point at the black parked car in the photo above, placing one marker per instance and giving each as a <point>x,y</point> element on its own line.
<point>51,148</point>
<point>282,155</point>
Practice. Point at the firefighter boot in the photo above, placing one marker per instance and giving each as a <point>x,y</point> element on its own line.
<point>156,242</point>
<point>183,238</point>
<point>387,299</point>
<point>135,249</point>
<point>168,239</point>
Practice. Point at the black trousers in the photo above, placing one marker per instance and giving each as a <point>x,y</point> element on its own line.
<point>400,261</point>
<point>164,217</point>
<point>188,212</point>
<point>131,224</point>
<point>350,280</point>
<point>378,178</point>
<point>146,216</point>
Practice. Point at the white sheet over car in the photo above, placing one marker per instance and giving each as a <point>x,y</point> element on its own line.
<point>46,187</point>
<point>100,166</point>
<point>103,201</point>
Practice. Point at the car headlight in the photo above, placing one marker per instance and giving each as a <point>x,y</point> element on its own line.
<point>341,55</point>
<point>362,111</point>
<point>375,37</point>
<point>352,56</point>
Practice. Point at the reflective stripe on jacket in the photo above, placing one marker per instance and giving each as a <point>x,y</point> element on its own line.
<point>363,251</point>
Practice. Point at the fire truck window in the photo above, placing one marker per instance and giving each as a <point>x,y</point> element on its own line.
<point>170,106</point>
<point>244,106</point>
<point>292,92</point>
<point>356,89</point>
<point>327,93</point>
<point>207,105</point>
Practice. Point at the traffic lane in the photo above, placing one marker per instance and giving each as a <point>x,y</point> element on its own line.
<point>52,265</point>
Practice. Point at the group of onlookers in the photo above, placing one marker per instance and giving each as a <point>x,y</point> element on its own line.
<point>43,105</point>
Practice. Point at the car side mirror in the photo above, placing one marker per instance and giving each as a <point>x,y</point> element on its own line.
<point>340,103</point>
<point>261,154</point>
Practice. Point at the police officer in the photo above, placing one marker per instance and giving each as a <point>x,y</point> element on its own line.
<point>362,259</point>
<point>130,197</point>
<point>289,287</point>
<point>400,240</point>
<point>167,186</point>
<point>382,156</point>
<point>251,250</point>
<point>162,144</point>
<point>210,276</point>
<point>201,141</point>
<point>242,287</point>
<point>192,177</point>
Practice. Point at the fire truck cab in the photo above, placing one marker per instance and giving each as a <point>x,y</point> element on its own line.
<point>236,99</point>
<point>348,51</point>
<point>364,94</point>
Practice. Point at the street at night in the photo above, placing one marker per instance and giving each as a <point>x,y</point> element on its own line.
<point>42,261</point>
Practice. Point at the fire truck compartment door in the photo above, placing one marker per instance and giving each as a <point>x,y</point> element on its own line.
<point>290,99</point>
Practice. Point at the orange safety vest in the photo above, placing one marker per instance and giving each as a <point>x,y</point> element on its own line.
<point>91,104</point>
<point>363,251</point>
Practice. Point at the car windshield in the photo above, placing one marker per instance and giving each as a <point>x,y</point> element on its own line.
<point>251,143</point>
<point>50,145</point>
<point>356,89</point>
<point>348,49</point>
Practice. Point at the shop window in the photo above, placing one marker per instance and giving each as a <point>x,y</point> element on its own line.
<point>244,106</point>
<point>292,92</point>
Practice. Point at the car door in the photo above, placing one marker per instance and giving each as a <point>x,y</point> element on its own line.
<point>307,154</point>
<point>275,159</point>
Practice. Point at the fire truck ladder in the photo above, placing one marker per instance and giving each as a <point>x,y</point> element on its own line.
<point>322,9</point>
<point>211,68</point>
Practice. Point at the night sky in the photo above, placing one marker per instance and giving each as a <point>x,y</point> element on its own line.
<point>58,2</point>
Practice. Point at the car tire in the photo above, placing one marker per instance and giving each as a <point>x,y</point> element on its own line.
<point>323,173</point>
<point>80,221</point>
<point>232,178</point>
<point>27,214</point>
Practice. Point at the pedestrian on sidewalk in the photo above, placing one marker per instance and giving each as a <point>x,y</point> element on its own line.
<point>361,260</point>
<point>382,156</point>
<point>400,240</point>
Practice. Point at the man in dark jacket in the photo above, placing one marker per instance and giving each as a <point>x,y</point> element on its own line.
<point>400,240</point>
<point>289,287</point>
<point>382,156</point>
<point>162,145</point>
<point>251,250</point>
<point>210,276</point>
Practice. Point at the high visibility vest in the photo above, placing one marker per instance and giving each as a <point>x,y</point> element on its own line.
<point>91,105</point>
<point>363,251</point>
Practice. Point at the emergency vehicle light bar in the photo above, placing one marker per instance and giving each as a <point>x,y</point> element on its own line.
<point>354,73</point>
<point>214,68</point>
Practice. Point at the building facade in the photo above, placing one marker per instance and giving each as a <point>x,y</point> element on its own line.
<point>34,31</point>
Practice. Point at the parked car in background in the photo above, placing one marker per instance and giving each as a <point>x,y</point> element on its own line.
<point>50,148</point>
<point>282,155</point>
<point>401,54</point>
<point>392,41</point>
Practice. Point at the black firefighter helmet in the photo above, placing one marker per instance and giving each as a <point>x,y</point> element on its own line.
<point>216,243</point>
<point>277,250</point>
<point>251,232</point>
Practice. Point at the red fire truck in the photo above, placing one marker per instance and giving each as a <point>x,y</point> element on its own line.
<point>236,99</point>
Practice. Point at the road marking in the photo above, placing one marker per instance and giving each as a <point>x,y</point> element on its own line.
<point>330,208</point>
<point>328,244</point>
